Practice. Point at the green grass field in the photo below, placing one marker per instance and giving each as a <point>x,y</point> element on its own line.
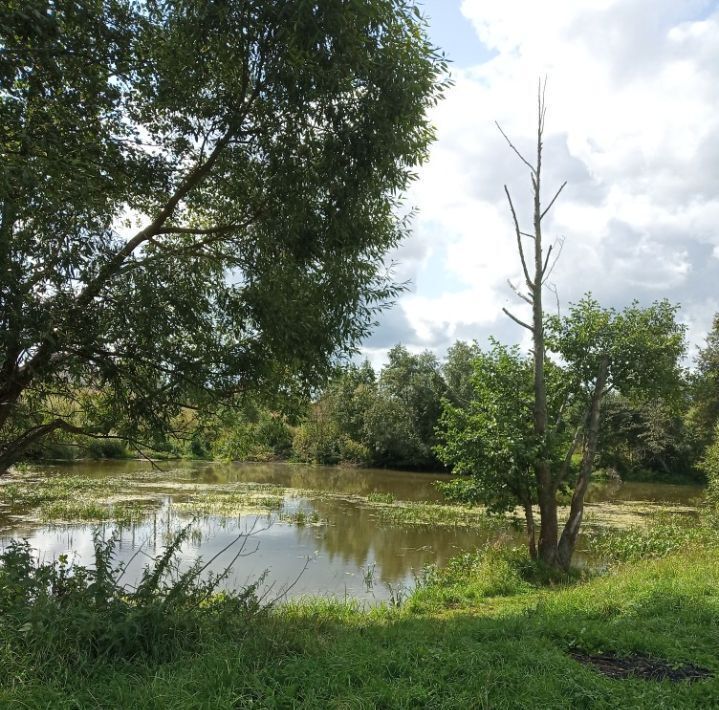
<point>479,634</point>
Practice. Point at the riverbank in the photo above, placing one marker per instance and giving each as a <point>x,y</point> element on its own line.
<point>499,641</point>
<point>445,626</point>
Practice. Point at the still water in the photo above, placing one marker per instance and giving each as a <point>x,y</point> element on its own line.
<point>352,553</point>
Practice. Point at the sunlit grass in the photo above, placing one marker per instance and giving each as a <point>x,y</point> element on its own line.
<point>479,634</point>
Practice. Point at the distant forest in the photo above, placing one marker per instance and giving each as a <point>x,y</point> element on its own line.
<point>393,418</point>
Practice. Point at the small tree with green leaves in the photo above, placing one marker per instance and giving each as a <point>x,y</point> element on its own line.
<point>635,352</point>
<point>591,343</point>
<point>488,440</point>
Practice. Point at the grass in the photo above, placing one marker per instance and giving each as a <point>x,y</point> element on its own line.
<point>489,630</point>
<point>503,646</point>
<point>660,535</point>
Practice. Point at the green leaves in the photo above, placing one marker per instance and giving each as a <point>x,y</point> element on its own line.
<point>490,438</point>
<point>488,434</point>
<point>644,346</point>
<point>197,197</point>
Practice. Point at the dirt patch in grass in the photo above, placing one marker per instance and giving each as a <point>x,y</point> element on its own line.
<point>637,665</point>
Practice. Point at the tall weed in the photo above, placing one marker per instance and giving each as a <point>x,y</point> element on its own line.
<point>65,617</point>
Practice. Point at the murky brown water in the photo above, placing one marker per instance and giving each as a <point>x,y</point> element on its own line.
<point>354,554</point>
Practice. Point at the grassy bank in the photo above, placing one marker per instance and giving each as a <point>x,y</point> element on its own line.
<point>489,630</point>
<point>498,640</point>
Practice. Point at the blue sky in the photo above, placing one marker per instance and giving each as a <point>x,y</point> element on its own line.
<point>452,31</point>
<point>632,127</point>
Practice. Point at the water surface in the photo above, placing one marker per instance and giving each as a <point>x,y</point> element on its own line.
<point>353,553</point>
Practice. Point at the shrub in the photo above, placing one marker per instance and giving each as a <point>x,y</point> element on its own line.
<point>316,442</point>
<point>271,432</point>
<point>263,437</point>
<point>59,616</point>
<point>710,465</point>
<point>352,452</point>
<point>107,449</point>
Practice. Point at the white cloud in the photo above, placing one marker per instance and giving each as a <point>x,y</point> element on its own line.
<point>632,126</point>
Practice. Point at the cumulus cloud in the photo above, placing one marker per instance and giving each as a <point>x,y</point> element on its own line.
<point>632,127</point>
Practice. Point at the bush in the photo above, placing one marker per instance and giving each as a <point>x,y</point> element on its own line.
<point>710,466</point>
<point>107,449</point>
<point>352,452</point>
<point>263,439</point>
<point>271,432</point>
<point>317,441</point>
<point>60,617</point>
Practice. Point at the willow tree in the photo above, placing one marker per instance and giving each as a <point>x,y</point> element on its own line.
<point>195,198</point>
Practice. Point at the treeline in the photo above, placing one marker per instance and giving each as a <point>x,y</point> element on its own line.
<point>393,418</point>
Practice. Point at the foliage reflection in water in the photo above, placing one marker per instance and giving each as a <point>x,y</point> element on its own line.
<point>353,549</point>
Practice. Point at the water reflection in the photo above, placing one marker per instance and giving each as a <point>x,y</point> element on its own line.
<point>340,552</point>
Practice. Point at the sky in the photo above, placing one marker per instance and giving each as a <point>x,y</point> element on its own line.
<point>632,126</point>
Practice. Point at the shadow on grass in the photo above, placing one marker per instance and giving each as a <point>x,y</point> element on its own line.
<point>503,652</point>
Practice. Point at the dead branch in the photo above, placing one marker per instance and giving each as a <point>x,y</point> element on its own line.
<point>553,200</point>
<point>512,146</point>
<point>548,273</point>
<point>518,233</point>
<point>517,320</point>
<point>523,296</point>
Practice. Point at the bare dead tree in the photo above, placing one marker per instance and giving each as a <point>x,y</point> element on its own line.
<point>535,274</point>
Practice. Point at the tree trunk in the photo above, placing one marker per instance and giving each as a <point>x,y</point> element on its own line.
<point>545,481</point>
<point>549,525</point>
<point>531,529</point>
<point>14,450</point>
<point>546,492</point>
<point>568,540</point>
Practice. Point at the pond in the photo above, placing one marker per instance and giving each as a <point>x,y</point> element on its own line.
<point>320,537</point>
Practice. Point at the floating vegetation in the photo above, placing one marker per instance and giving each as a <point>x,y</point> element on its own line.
<point>302,518</point>
<point>436,514</point>
<point>124,513</point>
<point>377,497</point>
<point>39,496</point>
<point>227,504</point>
